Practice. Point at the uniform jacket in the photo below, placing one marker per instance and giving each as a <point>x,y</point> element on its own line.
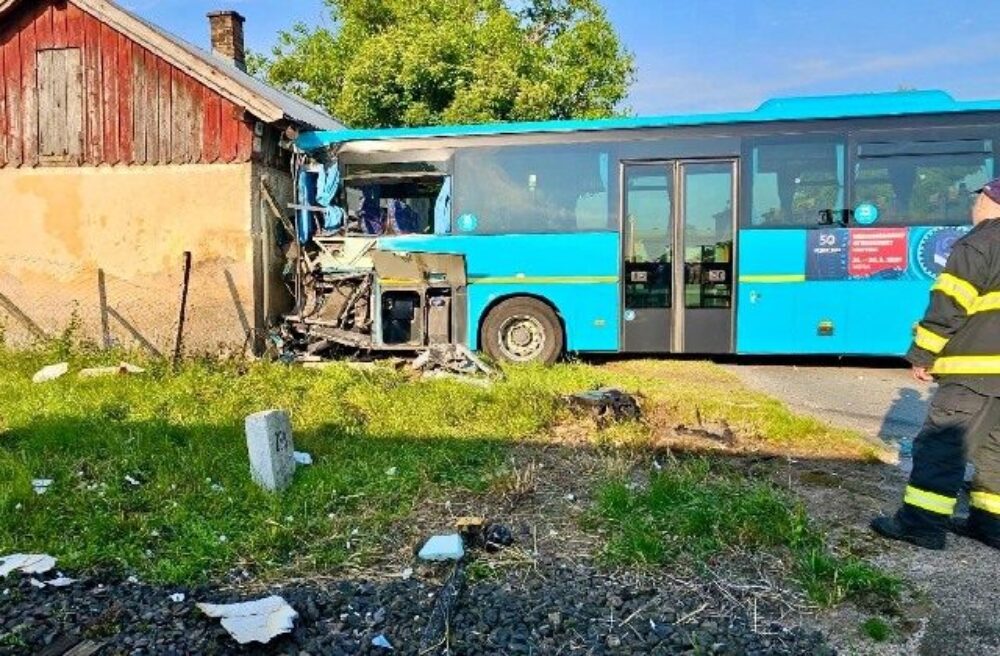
<point>959,336</point>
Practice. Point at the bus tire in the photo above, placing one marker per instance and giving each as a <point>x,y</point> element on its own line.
<point>522,330</point>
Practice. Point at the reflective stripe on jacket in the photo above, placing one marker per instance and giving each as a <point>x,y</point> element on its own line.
<point>959,336</point>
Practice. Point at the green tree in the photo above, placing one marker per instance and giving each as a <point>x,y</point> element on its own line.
<point>386,63</point>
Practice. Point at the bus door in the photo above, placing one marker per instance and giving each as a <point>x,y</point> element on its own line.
<point>678,222</point>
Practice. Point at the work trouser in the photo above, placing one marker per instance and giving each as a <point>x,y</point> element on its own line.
<point>961,425</point>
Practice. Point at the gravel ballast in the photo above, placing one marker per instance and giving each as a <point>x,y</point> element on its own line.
<point>564,609</point>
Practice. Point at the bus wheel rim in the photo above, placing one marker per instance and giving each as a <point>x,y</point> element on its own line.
<point>522,338</point>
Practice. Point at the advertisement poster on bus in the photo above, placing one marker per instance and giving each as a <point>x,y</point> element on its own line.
<point>892,253</point>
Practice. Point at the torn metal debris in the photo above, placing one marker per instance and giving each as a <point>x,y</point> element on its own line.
<point>607,404</point>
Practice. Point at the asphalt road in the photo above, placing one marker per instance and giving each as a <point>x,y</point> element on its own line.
<point>878,398</point>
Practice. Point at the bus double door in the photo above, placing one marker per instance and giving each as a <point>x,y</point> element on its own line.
<point>678,224</point>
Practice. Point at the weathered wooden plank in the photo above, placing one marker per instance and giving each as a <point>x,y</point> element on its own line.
<point>74,26</point>
<point>43,27</point>
<point>126,151</point>
<point>139,107</point>
<point>94,144</point>
<point>60,35</point>
<point>211,124</point>
<point>244,148</point>
<point>152,108</point>
<point>197,116</point>
<point>74,105</point>
<point>178,108</point>
<point>51,73</point>
<point>229,133</point>
<point>29,100</point>
<point>4,131</point>
<point>12,92</point>
<point>165,108</point>
<point>109,93</point>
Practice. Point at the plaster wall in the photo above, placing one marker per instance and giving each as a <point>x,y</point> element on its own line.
<point>62,225</point>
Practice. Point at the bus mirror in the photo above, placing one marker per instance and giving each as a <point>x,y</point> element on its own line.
<point>826,217</point>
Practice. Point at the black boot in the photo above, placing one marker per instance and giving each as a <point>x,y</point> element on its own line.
<point>970,529</point>
<point>892,528</point>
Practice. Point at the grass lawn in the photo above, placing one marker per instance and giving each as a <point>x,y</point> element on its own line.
<point>151,477</point>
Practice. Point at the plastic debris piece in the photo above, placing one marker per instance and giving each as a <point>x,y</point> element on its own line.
<point>132,579</point>
<point>35,583</point>
<point>41,485</point>
<point>254,621</point>
<point>302,458</point>
<point>121,370</point>
<point>61,582</point>
<point>26,563</point>
<point>434,634</point>
<point>178,597</point>
<point>132,481</point>
<point>392,471</point>
<point>51,372</point>
<point>607,404</point>
<point>442,548</point>
<point>497,537</point>
<point>406,574</point>
<point>382,642</point>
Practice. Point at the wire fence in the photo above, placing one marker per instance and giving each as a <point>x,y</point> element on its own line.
<point>43,299</point>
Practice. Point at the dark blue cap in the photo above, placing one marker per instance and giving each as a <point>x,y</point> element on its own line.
<point>992,190</point>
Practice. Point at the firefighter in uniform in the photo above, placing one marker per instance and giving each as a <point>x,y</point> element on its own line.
<point>958,344</point>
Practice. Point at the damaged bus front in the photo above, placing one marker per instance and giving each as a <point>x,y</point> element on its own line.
<point>356,287</point>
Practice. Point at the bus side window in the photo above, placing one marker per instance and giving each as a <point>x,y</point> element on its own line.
<point>794,180</point>
<point>922,183</point>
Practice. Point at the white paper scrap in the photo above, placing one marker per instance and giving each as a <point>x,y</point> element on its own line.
<point>303,458</point>
<point>41,485</point>
<point>50,372</point>
<point>254,621</point>
<point>26,563</point>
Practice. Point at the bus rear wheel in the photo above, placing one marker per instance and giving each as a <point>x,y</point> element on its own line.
<point>523,330</point>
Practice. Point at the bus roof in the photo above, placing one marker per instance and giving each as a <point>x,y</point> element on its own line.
<point>778,109</point>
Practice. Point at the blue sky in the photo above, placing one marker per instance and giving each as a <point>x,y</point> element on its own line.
<point>709,55</point>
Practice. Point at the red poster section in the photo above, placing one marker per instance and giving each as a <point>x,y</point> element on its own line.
<point>875,250</point>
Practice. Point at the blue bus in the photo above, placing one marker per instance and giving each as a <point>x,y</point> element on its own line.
<point>808,226</point>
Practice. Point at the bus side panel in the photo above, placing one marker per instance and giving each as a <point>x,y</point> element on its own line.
<point>578,273</point>
<point>780,312</point>
<point>770,291</point>
<point>883,314</point>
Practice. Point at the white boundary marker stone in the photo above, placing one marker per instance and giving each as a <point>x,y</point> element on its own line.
<point>271,449</point>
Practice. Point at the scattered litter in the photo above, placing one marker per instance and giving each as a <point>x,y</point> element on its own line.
<point>570,497</point>
<point>443,547</point>
<point>254,621</point>
<point>41,485</point>
<point>178,597</point>
<point>26,563</point>
<point>382,642</point>
<point>50,372</point>
<point>132,579</point>
<point>392,471</point>
<point>35,583</point>
<point>607,404</point>
<point>435,633</point>
<point>498,537</point>
<point>61,582</point>
<point>453,359</point>
<point>122,369</point>
<point>223,538</point>
<point>303,458</point>
<point>132,481</point>
<point>406,574</point>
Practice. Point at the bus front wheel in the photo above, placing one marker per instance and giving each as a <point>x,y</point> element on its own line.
<point>523,330</point>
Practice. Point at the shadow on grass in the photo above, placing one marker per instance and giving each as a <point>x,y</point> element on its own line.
<point>175,503</point>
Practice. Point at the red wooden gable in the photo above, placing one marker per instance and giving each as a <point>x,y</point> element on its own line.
<point>73,84</point>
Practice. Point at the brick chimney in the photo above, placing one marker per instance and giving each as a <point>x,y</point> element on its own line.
<point>227,37</point>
